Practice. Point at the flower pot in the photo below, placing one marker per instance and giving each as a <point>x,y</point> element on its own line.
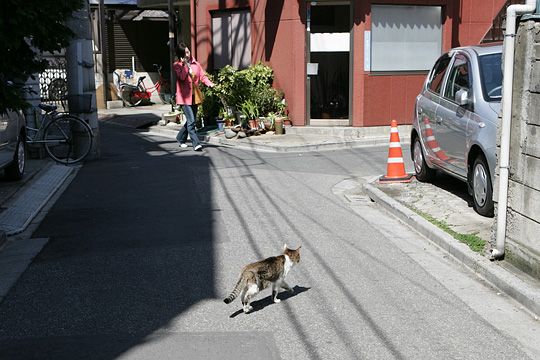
<point>268,125</point>
<point>278,123</point>
<point>254,124</point>
<point>171,117</point>
<point>220,124</point>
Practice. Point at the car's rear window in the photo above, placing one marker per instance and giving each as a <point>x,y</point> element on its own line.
<point>491,75</point>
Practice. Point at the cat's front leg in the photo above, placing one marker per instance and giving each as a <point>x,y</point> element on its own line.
<point>275,291</point>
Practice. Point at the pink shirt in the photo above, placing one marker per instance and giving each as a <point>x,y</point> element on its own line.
<point>184,87</point>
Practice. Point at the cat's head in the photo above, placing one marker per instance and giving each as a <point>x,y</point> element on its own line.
<point>294,255</point>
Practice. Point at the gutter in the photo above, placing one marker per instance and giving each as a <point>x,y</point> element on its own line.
<point>508,75</point>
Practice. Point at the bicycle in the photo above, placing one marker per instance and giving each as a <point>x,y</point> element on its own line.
<point>67,139</point>
<point>133,95</point>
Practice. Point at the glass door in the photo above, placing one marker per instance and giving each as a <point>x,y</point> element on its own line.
<point>328,66</point>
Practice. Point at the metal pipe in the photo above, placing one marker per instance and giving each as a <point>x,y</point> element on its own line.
<point>508,75</point>
<point>172,46</point>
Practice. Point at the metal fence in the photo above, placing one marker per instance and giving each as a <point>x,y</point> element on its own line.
<point>53,82</point>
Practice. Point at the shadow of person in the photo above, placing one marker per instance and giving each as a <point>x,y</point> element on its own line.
<point>267,301</point>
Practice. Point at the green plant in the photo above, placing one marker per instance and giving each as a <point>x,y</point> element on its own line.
<point>211,104</point>
<point>29,28</point>
<point>249,91</point>
<point>474,242</point>
<point>249,108</point>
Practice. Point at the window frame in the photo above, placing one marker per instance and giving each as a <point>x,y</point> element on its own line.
<point>447,77</point>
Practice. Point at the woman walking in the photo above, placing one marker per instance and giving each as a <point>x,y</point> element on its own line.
<point>189,75</point>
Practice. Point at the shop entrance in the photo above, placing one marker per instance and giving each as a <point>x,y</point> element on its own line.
<point>329,61</point>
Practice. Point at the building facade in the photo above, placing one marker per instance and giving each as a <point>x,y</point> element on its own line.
<point>341,63</point>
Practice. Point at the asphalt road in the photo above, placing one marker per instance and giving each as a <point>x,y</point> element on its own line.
<point>146,242</point>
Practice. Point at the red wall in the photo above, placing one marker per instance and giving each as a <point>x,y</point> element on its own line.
<point>380,98</point>
<point>476,18</point>
<point>278,39</point>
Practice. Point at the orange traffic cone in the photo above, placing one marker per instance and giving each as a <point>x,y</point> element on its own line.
<point>395,171</point>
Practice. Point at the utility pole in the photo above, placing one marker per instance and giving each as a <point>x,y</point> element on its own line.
<point>80,74</point>
<point>172,45</point>
<point>102,42</point>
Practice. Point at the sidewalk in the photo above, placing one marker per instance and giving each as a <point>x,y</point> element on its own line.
<point>402,200</point>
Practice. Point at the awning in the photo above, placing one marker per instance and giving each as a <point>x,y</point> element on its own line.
<point>160,4</point>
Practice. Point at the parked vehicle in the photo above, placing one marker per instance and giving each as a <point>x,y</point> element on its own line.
<point>455,121</point>
<point>12,144</point>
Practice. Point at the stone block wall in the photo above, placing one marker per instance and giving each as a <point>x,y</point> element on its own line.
<point>523,218</point>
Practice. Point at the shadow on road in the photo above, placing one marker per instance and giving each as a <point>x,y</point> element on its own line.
<point>267,301</point>
<point>131,247</point>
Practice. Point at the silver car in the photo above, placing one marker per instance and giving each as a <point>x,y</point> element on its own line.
<point>12,144</point>
<point>456,117</point>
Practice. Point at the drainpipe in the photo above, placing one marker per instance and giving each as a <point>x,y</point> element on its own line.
<point>508,74</point>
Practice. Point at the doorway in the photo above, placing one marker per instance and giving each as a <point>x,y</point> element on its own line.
<point>329,63</point>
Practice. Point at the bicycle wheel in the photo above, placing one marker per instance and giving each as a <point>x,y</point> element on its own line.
<point>67,139</point>
<point>129,96</point>
<point>164,92</point>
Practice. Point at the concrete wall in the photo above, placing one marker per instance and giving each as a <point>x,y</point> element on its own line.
<point>523,224</point>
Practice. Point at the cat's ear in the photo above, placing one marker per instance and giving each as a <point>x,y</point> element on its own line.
<point>284,247</point>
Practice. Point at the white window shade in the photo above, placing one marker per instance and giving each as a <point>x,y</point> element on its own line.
<point>330,42</point>
<point>405,37</point>
<point>231,39</point>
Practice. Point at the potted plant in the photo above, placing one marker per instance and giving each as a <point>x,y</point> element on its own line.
<point>269,121</point>
<point>249,108</point>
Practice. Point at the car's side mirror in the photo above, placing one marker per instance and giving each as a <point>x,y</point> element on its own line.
<point>462,97</point>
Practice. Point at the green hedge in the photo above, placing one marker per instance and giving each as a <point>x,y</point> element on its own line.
<point>242,89</point>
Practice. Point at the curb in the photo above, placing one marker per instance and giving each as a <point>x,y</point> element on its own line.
<point>30,200</point>
<point>252,145</point>
<point>3,238</point>
<point>519,290</point>
<point>247,144</point>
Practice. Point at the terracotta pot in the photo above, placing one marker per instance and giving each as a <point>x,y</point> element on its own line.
<point>279,126</point>
<point>254,124</point>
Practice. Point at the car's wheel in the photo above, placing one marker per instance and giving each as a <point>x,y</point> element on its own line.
<point>422,170</point>
<point>482,189</point>
<point>15,170</point>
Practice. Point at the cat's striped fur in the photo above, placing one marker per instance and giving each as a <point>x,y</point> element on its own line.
<point>258,275</point>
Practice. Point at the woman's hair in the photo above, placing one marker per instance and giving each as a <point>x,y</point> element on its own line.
<point>181,50</point>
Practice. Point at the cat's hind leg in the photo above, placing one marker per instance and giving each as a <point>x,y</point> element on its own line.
<point>251,291</point>
<point>285,286</point>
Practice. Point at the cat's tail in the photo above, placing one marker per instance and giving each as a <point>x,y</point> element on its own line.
<point>239,285</point>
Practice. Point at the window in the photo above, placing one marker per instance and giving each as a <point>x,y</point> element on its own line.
<point>231,39</point>
<point>491,75</point>
<point>405,38</point>
<point>437,75</point>
<point>458,78</point>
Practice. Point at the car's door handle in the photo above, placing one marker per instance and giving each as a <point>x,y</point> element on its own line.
<point>438,120</point>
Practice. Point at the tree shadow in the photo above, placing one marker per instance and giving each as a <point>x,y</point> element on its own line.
<point>267,301</point>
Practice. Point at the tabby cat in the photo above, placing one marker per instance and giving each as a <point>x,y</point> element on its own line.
<point>258,275</point>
